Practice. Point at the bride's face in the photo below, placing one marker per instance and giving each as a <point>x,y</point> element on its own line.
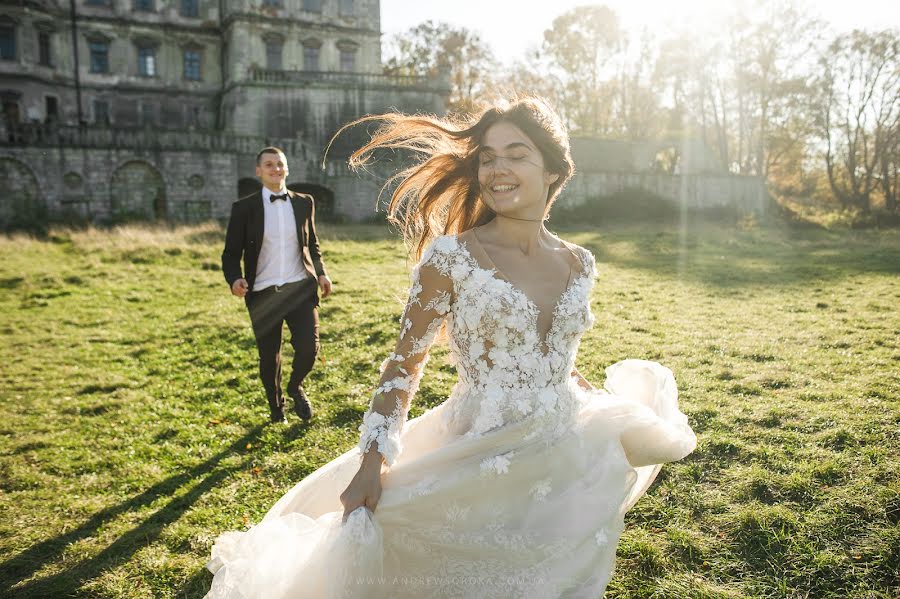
<point>511,173</point>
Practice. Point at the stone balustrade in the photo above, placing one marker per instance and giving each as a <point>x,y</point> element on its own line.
<point>356,80</point>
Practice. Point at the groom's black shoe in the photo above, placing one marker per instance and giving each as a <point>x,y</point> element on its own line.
<point>277,416</point>
<point>302,407</point>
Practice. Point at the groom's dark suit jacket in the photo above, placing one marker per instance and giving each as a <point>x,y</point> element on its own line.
<point>245,235</point>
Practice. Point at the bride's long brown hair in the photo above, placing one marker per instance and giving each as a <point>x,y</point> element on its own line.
<point>440,193</point>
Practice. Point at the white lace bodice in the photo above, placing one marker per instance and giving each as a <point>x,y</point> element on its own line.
<point>507,372</point>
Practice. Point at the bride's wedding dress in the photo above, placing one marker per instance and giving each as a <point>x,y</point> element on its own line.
<point>515,486</point>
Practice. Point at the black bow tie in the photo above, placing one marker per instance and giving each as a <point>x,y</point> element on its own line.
<point>274,197</point>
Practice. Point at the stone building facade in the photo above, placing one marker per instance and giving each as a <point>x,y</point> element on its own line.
<point>121,109</point>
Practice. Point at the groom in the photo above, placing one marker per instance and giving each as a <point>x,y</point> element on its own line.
<point>274,231</point>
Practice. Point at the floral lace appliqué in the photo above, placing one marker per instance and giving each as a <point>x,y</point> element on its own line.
<point>507,374</point>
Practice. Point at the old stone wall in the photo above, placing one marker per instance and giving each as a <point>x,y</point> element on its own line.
<point>106,175</point>
<point>108,184</point>
<point>747,194</point>
<point>356,194</point>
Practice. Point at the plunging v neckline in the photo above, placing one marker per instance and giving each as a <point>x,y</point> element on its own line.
<point>499,275</point>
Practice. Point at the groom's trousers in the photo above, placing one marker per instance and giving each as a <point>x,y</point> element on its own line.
<point>297,305</point>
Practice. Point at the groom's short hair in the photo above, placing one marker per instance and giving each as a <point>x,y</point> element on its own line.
<point>268,150</point>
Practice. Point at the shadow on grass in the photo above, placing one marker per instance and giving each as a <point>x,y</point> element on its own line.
<point>345,416</point>
<point>197,585</point>
<point>69,581</point>
<point>35,446</point>
<point>11,282</point>
<point>104,389</point>
<point>88,411</point>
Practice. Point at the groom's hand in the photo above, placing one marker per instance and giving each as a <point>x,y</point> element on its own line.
<point>239,287</point>
<point>325,285</point>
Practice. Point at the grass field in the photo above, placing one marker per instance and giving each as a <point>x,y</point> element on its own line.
<point>132,424</point>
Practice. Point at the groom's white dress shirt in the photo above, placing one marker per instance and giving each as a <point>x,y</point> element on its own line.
<point>280,260</point>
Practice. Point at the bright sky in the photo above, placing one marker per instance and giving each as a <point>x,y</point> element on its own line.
<point>512,26</point>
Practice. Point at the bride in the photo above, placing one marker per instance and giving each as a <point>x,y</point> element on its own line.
<point>517,484</point>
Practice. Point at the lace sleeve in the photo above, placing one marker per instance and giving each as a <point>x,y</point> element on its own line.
<point>429,303</point>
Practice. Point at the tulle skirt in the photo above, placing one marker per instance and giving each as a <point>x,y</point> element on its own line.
<point>489,516</point>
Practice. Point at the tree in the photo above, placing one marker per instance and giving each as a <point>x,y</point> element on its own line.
<point>581,45</point>
<point>531,75</point>
<point>772,75</point>
<point>637,113</point>
<point>743,89</point>
<point>889,146</point>
<point>858,108</point>
<point>693,72</point>
<point>441,50</point>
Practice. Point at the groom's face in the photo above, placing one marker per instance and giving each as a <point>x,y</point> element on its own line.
<point>272,170</point>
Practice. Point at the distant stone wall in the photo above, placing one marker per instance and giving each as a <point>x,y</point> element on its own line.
<point>105,184</point>
<point>103,174</point>
<point>356,194</point>
<point>748,194</point>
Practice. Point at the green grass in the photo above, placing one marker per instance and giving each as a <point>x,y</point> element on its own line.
<point>132,424</point>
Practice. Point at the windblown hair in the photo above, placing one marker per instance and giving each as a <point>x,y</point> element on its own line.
<point>440,193</point>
